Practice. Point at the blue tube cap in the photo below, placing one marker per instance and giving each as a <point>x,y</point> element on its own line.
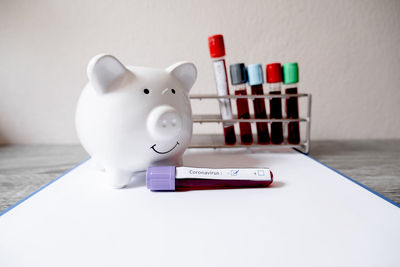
<point>255,74</point>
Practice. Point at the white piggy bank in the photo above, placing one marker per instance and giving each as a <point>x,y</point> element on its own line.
<point>129,118</point>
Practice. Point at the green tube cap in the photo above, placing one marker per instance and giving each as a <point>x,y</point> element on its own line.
<point>290,73</point>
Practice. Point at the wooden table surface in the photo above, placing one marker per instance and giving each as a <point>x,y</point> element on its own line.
<point>376,164</point>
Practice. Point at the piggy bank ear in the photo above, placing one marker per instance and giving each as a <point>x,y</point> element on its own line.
<point>103,71</point>
<point>185,72</point>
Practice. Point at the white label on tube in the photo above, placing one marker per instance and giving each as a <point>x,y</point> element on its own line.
<point>252,174</point>
<point>222,90</point>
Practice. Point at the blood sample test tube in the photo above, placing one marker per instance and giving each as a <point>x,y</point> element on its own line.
<point>239,80</point>
<point>256,80</point>
<point>290,79</point>
<point>171,178</point>
<point>217,53</point>
<point>274,79</point>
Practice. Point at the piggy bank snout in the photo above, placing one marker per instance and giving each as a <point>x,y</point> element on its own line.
<point>164,122</point>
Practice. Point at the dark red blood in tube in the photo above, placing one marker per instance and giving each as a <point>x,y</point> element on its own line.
<point>230,136</point>
<point>210,184</point>
<point>260,113</point>
<point>276,113</point>
<point>244,113</point>
<point>292,111</point>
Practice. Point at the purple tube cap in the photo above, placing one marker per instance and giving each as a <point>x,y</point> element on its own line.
<point>160,178</point>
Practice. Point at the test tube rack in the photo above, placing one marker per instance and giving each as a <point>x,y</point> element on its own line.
<point>217,140</point>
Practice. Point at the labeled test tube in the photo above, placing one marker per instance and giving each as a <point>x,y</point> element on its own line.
<point>274,79</point>
<point>239,80</point>
<point>256,80</point>
<point>290,79</point>
<point>171,178</point>
<point>217,53</point>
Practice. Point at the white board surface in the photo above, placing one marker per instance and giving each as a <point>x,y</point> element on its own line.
<point>311,216</point>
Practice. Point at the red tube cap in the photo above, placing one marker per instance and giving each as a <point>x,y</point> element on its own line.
<point>274,73</point>
<point>216,45</point>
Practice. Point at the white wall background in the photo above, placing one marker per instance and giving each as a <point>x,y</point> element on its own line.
<point>348,51</point>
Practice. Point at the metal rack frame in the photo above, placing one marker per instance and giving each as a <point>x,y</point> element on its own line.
<point>217,140</point>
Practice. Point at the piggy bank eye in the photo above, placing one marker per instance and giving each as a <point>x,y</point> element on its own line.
<point>146,91</point>
<point>173,91</point>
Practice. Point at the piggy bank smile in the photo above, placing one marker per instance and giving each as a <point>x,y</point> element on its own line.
<point>164,152</point>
